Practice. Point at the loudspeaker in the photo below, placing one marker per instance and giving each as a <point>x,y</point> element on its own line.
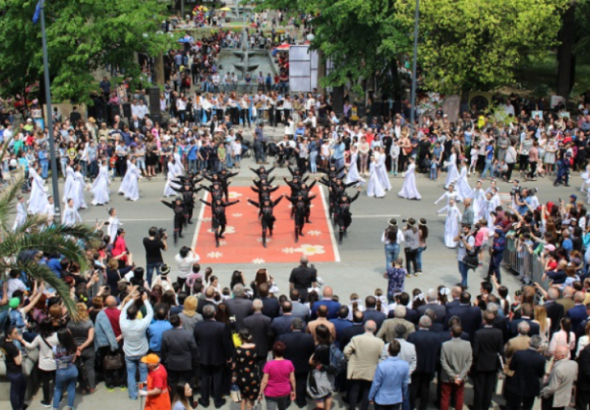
<point>338,100</point>
<point>113,111</point>
<point>154,97</point>
<point>127,110</point>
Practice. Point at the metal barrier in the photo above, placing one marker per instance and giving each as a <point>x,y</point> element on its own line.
<point>527,265</point>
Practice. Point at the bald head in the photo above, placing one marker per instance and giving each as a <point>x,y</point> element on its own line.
<point>523,328</point>
<point>370,326</point>
<point>456,292</point>
<point>111,302</point>
<point>561,352</point>
<point>467,201</point>
<point>328,292</point>
<point>579,297</point>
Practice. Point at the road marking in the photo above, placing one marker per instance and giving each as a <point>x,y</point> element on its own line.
<point>376,216</point>
<point>199,220</point>
<point>329,222</point>
<point>202,211</point>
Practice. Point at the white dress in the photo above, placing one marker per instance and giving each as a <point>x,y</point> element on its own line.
<point>448,195</point>
<point>179,166</point>
<point>100,187</point>
<point>70,215</point>
<point>462,185</point>
<point>374,187</point>
<point>382,173</point>
<point>50,212</point>
<point>114,225</point>
<point>486,213</point>
<point>132,192</point>
<point>478,198</point>
<point>353,171</point>
<point>76,191</point>
<point>172,174</point>
<point>409,189</point>
<point>21,215</point>
<point>452,172</point>
<point>124,187</point>
<point>585,178</point>
<point>68,184</point>
<point>38,199</point>
<point>452,224</point>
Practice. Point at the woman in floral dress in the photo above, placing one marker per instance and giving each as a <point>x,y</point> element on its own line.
<point>245,370</point>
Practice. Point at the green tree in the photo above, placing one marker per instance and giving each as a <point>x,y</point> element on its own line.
<point>82,36</point>
<point>479,44</point>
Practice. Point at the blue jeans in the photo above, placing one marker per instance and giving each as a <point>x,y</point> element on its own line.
<point>487,168</point>
<point>237,160</point>
<point>339,163</point>
<point>313,155</point>
<point>391,254</point>
<point>65,378</point>
<point>133,363</point>
<point>463,269</point>
<point>228,161</point>
<point>44,168</point>
<point>84,170</point>
<point>149,270</point>
<point>18,388</point>
<point>192,166</point>
<point>433,173</point>
<point>419,258</point>
<point>259,153</point>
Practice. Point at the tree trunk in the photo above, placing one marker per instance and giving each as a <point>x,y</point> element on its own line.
<point>566,67</point>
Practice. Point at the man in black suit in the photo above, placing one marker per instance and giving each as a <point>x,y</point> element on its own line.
<point>583,392</point>
<point>581,330</point>
<point>239,306</point>
<point>303,277</point>
<point>282,324</point>
<point>470,315</point>
<point>213,340</point>
<point>270,305</point>
<point>352,331</point>
<point>529,367</point>
<point>371,313</point>
<point>179,353</point>
<point>411,314</point>
<point>555,310</point>
<point>526,314</point>
<point>300,347</point>
<point>432,303</point>
<point>455,295</point>
<point>208,300</point>
<point>261,331</point>
<point>488,344</point>
<point>427,346</point>
<point>435,327</point>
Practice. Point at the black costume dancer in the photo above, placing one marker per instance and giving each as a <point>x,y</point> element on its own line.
<point>267,218</point>
<point>215,190</point>
<point>342,213</point>
<point>262,172</point>
<point>188,198</point>
<point>337,190</point>
<point>332,172</point>
<point>179,216</point>
<point>223,179</point>
<point>301,212</point>
<point>218,219</point>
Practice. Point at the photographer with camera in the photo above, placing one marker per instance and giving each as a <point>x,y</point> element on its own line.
<point>466,255</point>
<point>154,244</point>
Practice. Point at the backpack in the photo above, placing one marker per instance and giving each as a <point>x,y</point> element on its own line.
<point>337,359</point>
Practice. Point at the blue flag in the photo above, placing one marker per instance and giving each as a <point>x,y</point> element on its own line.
<point>37,12</point>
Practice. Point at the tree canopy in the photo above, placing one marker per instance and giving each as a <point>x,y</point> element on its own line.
<point>82,35</point>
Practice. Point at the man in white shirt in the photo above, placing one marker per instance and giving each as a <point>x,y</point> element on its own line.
<point>141,110</point>
<point>215,79</point>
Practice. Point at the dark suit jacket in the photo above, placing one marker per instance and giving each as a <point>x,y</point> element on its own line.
<point>529,368</point>
<point>202,303</point>
<point>261,331</point>
<point>348,333</point>
<point>213,339</point>
<point>270,307</point>
<point>439,310</point>
<point>581,330</point>
<point>376,316</point>
<point>300,347</point>
<point>411,316</point>
<point>470,318</point>
<point>427,346</point>
<point>555,312</point>
<point>584,369</point>
<point>179,349</point>
<point>445,336</point>
<point>488,343</point>
<point>577,314</point>
<point>333,308</point>
<point>534,330</point>
<point>282,324</point>
<point>240,308</point>
<point>340,325</point>
<point>454,303</point>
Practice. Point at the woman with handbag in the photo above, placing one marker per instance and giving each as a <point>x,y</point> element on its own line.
<point>320,382</point>
<point>246,374</point>
<point>278,382</point>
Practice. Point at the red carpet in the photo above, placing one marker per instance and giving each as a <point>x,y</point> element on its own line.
<point>243,235</point>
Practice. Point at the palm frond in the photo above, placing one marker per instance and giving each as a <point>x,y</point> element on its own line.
<point>33,223</point>
<point>7,198</point>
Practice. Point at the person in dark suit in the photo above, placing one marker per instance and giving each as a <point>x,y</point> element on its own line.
<point>526,313</point>
<point>470,315</point>
<point>282,324</point>
<point>239,306</point>
<point>578,313</point>
<point>354,330</point>
<point>179,352</point>
<point>270,305</point>
<point>411,314</point>
<point>446,335</point>
<point>261,331</point>
<point>432,303</point>
<point>427,346</point>
<point>300,347</point>
<point>488,345</point>
<point>372,313</point>
<point>208,300</point>
<point>581,330</point>
<point>341,322</point>
<point>435,327</point>
<point>213,340</point>
<point>455,294</point>
<point>528,367</point>
<point>327,301</point>
<point>303,277</point>
<point>583,392</point>
<point>555,310</point>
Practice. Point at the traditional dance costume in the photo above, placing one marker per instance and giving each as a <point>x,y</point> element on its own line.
<point>409,189</point>
<point>38,198</point>
<point>100,187</point>
<point>343,215</point>
<point>218,220</point>
<point>452,226</point>
<point>452,172</point>
<point>374,187</point>
<point>267,218</point>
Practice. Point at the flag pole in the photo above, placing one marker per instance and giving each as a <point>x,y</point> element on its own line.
<point>54,174</point>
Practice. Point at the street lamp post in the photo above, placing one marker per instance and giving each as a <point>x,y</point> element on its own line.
<point>413,96</point>
<point>54,174</point>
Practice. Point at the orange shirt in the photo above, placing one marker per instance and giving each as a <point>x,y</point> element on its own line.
<point>158,379</point>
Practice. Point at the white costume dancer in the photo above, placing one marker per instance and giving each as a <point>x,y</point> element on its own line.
<point>382,172</point>
<point>478,197</point>
<point>70,214</point>
<point>462,185</point>
<point>409,189</point>
<point>68,184</point>
<point>100,187</point>
<point>450,194</point>
<point>488,208</point>
<point>496,198</point>
<point>21,214</point>
<point>173,173</point>
<point>585,179</point>
<point>374,187</point>
<point>452,225</point>
<point>76,191</point>
<point>129,186</point>
<point>353,171</point>
<point>179,166</point>
<point>49,211</point>
<point>38,198</point>
<point>452,173</point>
<point>114,224</point>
